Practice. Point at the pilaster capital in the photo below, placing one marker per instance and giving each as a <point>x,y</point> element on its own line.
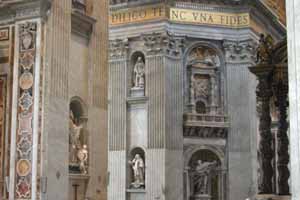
<point>163,43</point>
<point>240,51</point>
<point>118,49</point>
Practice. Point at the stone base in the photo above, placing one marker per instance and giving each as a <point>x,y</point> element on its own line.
<point>74,169</point>
<point>137,92</point>
<point>136,194</point>
<point>79,182</point>
<point>201,197</point>
<point>271,197</point>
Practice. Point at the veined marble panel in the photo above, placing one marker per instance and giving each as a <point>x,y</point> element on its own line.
<point>137,125</point>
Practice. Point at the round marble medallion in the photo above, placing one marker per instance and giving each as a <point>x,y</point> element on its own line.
<point>26,81</point>
<point>23,167</point>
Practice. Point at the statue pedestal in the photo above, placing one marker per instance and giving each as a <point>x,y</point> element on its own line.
<point>271,197</point>
<point>136,194</point>
<point>78,186</point>
<point>137,92</point>
<point>201,197</point>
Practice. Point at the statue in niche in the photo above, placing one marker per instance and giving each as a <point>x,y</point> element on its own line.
<point>139,73</point>
<point>74,132</point>
<point>201,176</point>
<point>82,156</point>
<point>138,168</point>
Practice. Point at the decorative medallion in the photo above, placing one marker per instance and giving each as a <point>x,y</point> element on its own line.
<point>23,188</point>
<point>24,147</point>
<point>26,80</point>
<point>27,60</point>
<point>27,35</point>
<point>23,167</point>
<point>25,101</point>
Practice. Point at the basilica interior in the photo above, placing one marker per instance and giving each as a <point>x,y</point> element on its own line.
<point>149,100</point>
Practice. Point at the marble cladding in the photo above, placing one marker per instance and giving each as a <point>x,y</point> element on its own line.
<point>117,171</point>
<point>243,126</point>
<point>137,126</point>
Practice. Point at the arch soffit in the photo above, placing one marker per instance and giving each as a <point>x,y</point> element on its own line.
<point>188,154</point>
<point>82,103</point>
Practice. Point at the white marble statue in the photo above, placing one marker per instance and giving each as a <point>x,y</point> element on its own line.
<point>138,168</point>
<point>139,73</point>
<point>75,131</point>
<point>202,171</point>
<point>82,156</point>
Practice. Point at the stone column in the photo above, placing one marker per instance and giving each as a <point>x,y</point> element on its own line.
<point>293,28</point>
<point>241,104</point>
<point>281,93</point>
<point>164,178</point>
<point>264,94</point>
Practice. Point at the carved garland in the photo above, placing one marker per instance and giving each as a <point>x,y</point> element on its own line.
<point>24,138</point>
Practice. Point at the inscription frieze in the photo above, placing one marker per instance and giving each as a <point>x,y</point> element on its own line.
<point>179,15</point>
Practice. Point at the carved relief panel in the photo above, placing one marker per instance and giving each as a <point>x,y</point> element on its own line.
<point>203,80</point>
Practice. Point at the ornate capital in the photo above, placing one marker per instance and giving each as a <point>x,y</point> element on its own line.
<point>163,43</point>
<point>239,51</point>
<point>118,49</point>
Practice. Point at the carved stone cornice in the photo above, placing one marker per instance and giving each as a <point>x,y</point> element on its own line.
<point>118,49</point>
<point>15,10</point>
<point>240,51</point>
<point>163,43</point>
<point>82,24</point>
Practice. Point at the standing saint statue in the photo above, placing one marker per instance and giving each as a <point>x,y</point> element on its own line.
<point>138,167</point>
<point>139,73</point>
<point>74,132</point>
<point>201,176</point>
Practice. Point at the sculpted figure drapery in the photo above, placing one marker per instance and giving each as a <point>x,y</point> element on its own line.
<point>138,168</point>
<point>201,176</point>
<point>139,73</point>
<point>74,132</point>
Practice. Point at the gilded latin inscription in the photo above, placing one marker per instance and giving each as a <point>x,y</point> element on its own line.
<point>210,18</point>
<point>189,16</point>
<point>137,15</point>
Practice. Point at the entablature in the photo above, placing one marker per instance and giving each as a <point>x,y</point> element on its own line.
<point>16,10</point>
<point>205,126</point>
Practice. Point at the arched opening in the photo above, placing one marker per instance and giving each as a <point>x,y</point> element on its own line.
<point>205,175</point>
<point>137,168</point>
<point>200,107</point>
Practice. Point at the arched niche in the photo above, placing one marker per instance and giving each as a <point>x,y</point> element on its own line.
<point>203,78</point>
<point>78,138</point>
<point>137,78</point>
<point>135,155</point>
<point>204,174</point>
